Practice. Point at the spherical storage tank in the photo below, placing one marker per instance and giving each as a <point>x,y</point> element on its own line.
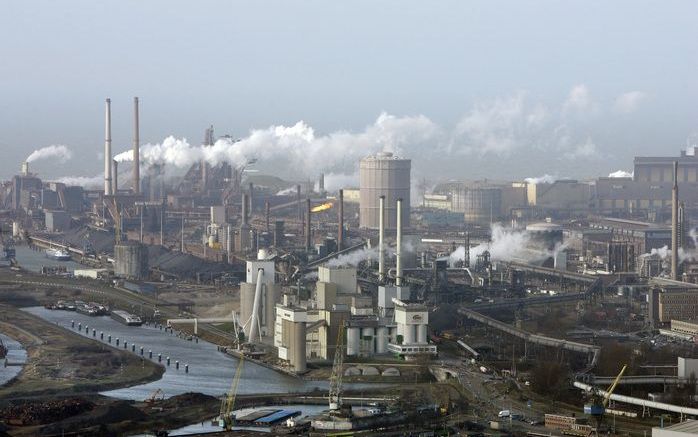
<point>384,175</point>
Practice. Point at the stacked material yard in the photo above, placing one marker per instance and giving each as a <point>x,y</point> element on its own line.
<point>34,413</point>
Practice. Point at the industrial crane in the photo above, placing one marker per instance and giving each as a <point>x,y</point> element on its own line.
<point>335,395</point>
<point>225,418</point>
<point>599,401</point>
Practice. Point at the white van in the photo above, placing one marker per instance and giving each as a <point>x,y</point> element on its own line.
<point>504,413</point>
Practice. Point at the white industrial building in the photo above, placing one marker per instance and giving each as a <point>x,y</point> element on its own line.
<point>269,294</point>
<point>412,320</point>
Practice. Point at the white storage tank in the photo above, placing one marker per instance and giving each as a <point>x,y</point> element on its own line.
<point>352,341</point>
<point>381,340</point>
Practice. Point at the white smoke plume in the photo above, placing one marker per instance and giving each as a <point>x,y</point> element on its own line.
<point>545,179</point>
<point>621,174</point>
<point>508,245</point>
<point>286,191</point>
<point>96,181</point>
<point>59,152</point>
<point>296,146</point>
<point>354,258</point>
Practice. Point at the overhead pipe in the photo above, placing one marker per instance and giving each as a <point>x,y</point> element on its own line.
<point>381,238</point>
<point>107,149</point>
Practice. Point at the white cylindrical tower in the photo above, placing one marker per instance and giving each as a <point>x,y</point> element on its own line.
<point>352,341</point>
<point>381,340</point>
<point>381,238</point>
<point>107,150</point>
<point>408,334</point>
<point>422,334</point>
<point>383,175</point>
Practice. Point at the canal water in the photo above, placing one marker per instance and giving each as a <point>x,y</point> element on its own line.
<point>16,357</point>
<point>33,260</point>
<point>210,371</point>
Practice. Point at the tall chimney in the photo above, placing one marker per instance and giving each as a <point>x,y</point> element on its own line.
<point>321,183</point>
<point>398,263</point>
<point>115,177</point>
<point>107,149</point>
<point>251,194</point>
<point>136,149</point>
<point>267,214</point>
<point>244,209</point>
<point>381,238</point>
<point>308,238</point>
<point>675,224</point>
<point>300,207</point>
<point>340,219</point>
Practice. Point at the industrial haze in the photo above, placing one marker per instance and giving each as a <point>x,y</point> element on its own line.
<point>349,218</point>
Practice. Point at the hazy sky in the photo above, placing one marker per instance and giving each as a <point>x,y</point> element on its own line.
<point>504,89</point>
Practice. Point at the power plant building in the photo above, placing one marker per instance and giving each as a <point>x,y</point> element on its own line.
<point>383,175</point>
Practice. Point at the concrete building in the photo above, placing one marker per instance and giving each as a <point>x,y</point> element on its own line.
<point>688,428</point>
<point>268,299</point>
<point>343,277</point>
<point>671,300</point>
<point>57,221</point>
<point>131,260</point>
<point>383,175</point>
<point>412,322</point>
<point>561,198</point>
<point>290,336</point>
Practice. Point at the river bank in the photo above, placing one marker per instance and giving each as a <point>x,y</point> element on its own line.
<point>63,363</point>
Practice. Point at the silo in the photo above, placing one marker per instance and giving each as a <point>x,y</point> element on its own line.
<point>480,205</point>
<point>381,340</point>
<point>352,341</point>
<point>130,260</point>
<point>383,175</point>
<point>247,291</point>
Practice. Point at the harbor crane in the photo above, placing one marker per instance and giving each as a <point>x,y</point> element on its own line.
<point>335,395</point>
<point>226,418</point>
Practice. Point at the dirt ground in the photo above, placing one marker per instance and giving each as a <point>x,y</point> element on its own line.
<point>61,362</point>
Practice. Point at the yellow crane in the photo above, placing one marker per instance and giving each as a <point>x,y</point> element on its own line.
<point>225,418</point>
<point>598,404</point>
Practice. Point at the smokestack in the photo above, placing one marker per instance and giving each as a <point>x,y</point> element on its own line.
<point>466,255</point>
<point>244,209</point>
<point>381,238</point>
<point>398,263</point>
<point>25,168</point>
<point>115,177</point>
<point>308,239</point>
<point>267,214</point>
<point>251,194</point>
<point>340,230</point>
<point>321,183</point>
<point>300,207</point>
<point>136,149</point>
<point>675,225</point>
<point>107,149</point>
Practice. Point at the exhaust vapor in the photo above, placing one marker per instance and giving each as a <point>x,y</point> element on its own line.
<point>354,258</point>
<point>508,245</point>
<point>60,152</point>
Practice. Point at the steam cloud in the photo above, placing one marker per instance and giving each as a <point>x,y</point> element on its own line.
<point>621,174</point>
<point>545,179</point>
<point>96,181</point>
<point>62,153</point>
<point>354,258</point>
<point>508,245</point>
